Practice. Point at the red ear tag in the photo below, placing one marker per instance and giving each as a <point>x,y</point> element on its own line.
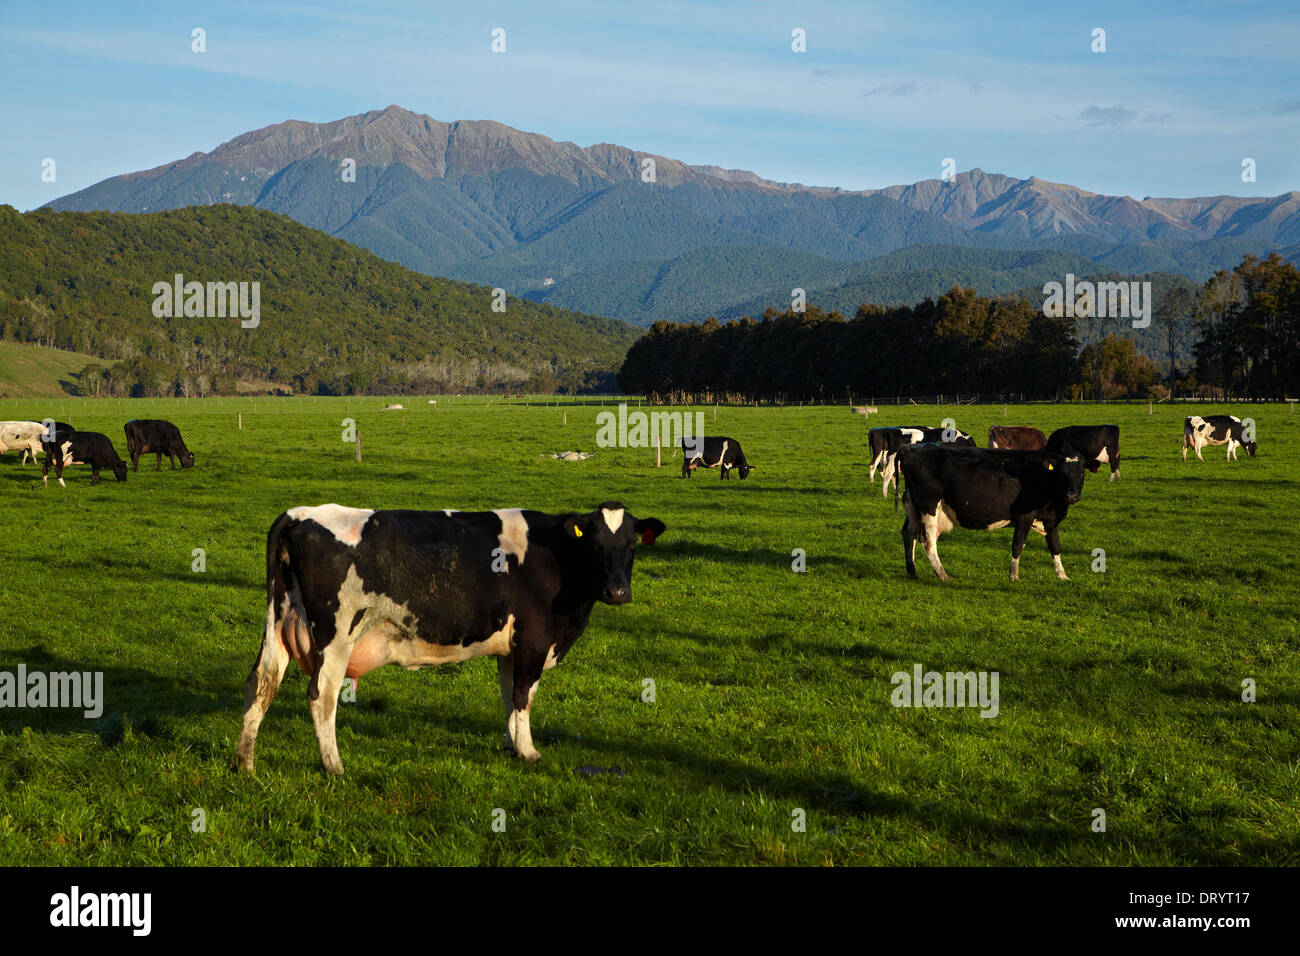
<point>648,536</point>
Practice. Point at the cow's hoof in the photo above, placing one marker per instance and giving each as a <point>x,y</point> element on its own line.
<point>531,756</point>
<point>1015,577</point>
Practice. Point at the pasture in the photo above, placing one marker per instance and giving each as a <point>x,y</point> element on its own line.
<point>1120,690</point>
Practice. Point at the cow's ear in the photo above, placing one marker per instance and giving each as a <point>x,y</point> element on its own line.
<point>649,529</point>
<point>1048,465</point>
<point>573,526</point>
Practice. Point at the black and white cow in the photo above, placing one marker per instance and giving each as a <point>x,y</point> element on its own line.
<point>950,488</point>
<point>350,590</point>
<point>714,452</point>
<point>1095,444</point>
<point>1216,430</point>
<point>145,435</point>
<point>886,443</point>
<point>80,448</point>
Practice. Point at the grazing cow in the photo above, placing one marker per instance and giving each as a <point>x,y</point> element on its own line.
<point>349,590</point>
<point>144,435</point>
<point>1216,430</point>
<point>22,436</point>
<point>80,448</point>
<point>1016,438</point>
<point>973,488</point>
<point>1095,444</point>
<point>886,445</point>
<point>714,452</point>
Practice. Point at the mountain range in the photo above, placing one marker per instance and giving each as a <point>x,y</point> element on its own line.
<point>590,228</point>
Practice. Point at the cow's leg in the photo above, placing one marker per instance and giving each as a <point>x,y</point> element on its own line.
<point>506,681</point>
<point>1199,446</point>
<point>157,461</point>
<point>888,473</point>
<point>1232,451</point>
<point>58,468</point>
<point>726,472</point>
<point>261,687</point>
<point>1054,546</point>
<point>526,671</point>
<point>329,681</point>
<point>1114,464</point>
<point>875,462</point>
<point>1018,539</point>
<point>94,474</point>
<point>930,541</point>
<point>909,547</point>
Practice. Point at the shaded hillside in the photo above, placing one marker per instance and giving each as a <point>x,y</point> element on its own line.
<point>333,317</point>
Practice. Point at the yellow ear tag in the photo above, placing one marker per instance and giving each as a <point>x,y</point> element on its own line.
<point>1050,466</point>
<point>577,532</point>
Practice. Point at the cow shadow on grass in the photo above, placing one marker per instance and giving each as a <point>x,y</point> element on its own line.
<point>128,697</point>
<point>828,793</point>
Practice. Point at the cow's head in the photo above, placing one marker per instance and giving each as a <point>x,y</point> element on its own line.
<point>604,545</point>
<point>119,471</point>
<point>1066,475</point>
<point>743,468</point>
<point>1250,447</point>
<point>187,458</point>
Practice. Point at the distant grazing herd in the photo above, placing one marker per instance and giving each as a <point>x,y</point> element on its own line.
<point>349,589</point>
<point>63,445</point>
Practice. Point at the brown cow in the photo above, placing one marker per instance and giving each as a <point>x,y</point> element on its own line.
<point>1017,438</point>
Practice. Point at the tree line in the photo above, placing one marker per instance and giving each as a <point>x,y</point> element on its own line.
<point>1245,324</point>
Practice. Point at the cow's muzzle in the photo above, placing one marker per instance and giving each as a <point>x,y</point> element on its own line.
<point>617,595</point>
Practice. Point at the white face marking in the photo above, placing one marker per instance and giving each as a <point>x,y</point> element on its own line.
<point>513,538</point>
<point>344,523</point>
<point>1102,456</point>
<point>613,518</point>
<point>1074,458</point>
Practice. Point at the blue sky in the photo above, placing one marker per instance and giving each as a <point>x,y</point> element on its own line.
<point>884,92</point>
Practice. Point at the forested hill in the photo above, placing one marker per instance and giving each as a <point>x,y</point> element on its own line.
<point>333,317</point>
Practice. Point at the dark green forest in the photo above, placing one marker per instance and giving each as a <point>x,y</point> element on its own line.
<point>1237,335</point>
<point>334,318</point>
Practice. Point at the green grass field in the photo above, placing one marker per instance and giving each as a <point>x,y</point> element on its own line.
<point>1119,690</point>
<point>30,371</point>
